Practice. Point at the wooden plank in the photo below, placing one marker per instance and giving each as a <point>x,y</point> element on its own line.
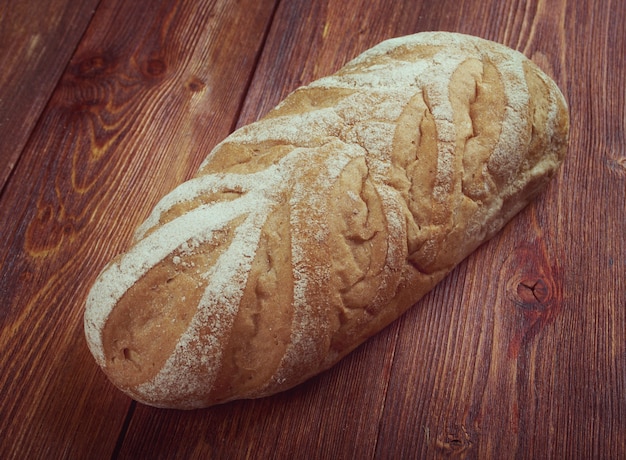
<point>37,40</point>
<point>150,89</point>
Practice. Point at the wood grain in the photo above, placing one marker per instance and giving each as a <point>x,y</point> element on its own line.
<point>519,353</point>
<point>36,42</point>
<point>146,89</point>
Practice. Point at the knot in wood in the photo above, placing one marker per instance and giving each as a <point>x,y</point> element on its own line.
<point>155,67</point>
<point>92,66</point>
<point>457,441</point>
<point>194,84</point>
<point>533,292</point>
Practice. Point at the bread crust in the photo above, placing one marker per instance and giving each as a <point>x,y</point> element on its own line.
<point>310,230</point>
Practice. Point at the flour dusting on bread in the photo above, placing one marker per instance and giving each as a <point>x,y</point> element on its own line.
<point>390,171</point>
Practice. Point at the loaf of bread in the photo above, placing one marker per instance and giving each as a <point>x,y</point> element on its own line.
<point>310,230</point>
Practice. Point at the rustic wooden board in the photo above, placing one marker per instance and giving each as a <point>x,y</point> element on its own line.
<point>149,88</point>
<point>520,352</point>
<point>37,40</point>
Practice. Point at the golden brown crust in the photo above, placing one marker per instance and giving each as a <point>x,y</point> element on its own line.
<point>307,232</point>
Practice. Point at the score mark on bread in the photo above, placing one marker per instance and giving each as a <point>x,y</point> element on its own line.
<point>307,232</point>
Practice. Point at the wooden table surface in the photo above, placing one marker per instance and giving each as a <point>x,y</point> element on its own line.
<point>105,105</point>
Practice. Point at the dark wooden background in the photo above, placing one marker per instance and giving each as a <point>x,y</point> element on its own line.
<point>105,105</point>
